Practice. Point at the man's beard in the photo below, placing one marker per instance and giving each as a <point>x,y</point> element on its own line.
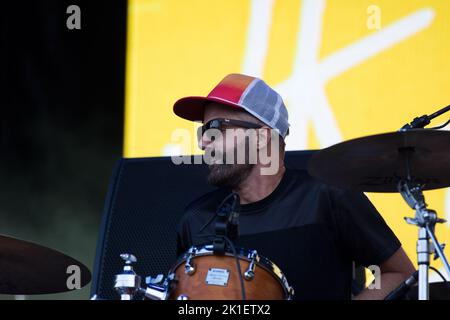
<point>228,175</point>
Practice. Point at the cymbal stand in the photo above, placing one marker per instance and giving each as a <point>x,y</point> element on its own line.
<point>425,219</point>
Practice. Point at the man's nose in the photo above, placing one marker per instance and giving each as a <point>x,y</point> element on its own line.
<point>204,141</point>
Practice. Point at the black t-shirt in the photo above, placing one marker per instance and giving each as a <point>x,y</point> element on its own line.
<point>313,232</point>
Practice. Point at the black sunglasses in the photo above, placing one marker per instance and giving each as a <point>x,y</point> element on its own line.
<point>220,123</point>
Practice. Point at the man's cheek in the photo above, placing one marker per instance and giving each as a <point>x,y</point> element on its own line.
<point>213,156</point>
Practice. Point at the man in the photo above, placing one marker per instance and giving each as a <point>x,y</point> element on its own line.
<point>312,231</point>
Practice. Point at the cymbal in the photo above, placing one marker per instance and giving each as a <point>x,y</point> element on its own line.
<point>28,268</point>
<point>377,163</point>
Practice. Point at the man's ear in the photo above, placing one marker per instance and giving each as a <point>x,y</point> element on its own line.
<point>264,137</point>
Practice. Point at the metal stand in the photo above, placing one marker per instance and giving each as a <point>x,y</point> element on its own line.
<point>426,220</point>
<point>128,283</point>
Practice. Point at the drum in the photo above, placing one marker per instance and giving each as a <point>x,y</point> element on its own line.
<point>202,275</point>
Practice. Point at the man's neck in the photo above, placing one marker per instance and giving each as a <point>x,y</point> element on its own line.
<point>256,187</point>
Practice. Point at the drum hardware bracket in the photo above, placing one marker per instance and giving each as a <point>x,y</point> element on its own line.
<point>189,267</point>
<point>128,283</point>
<point>155,292</point>
<point>157,287</point>
<point>250,272</point>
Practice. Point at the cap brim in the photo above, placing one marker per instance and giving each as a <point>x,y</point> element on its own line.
<point>193,108</point>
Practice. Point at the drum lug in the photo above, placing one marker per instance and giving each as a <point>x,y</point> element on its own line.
<point>249,274</point>
<point>182,297</point>
<point>291,293</point>
<point>189,267</point>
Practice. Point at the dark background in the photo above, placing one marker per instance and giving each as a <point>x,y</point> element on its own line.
<point>62,104</point>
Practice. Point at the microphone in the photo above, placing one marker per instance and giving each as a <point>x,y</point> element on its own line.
<point>417,123</point>
<point>233,220</point>
<point>403,288</point>
<point>227,223</point>
<point>421,122</point>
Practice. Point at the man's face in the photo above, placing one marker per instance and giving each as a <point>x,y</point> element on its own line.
<point>225,174</point>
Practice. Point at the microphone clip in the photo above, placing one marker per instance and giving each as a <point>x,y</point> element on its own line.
<point>417,123</point>
<point>227,223</point>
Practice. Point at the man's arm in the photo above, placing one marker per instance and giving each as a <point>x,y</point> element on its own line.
<point>394,271</point>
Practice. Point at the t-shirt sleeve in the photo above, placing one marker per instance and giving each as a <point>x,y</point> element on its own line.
<point>362,231</point>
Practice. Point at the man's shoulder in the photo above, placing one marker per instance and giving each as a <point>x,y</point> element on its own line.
<point>298,174</point>
<point>302,180</point>
<point>301,176</point>
<point>334,194</point>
